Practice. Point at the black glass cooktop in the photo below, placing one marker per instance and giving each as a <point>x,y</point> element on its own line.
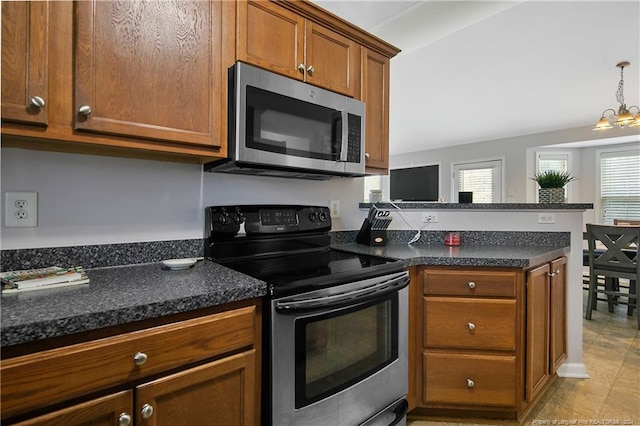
<point>299,273</point>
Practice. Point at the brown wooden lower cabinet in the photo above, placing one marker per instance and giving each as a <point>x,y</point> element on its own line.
<point>221,390</point>
<point>488,341</point>
<point>187,372</point>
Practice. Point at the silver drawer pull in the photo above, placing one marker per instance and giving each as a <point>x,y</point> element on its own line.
<point>140,358</point>
<point>471,284</point>
<point>146,411</point>
<point>124,419</point>
<point>471,326</point>
<point>470,383</point>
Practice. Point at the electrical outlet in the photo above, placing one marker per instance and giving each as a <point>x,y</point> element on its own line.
<point>21,209</point>
<point>429,217</point>
<point>546,218</point>
<point>334,209</point>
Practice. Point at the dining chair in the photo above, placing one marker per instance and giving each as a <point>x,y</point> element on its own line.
<point>615,257</point>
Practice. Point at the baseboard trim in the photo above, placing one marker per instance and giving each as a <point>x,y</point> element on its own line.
<point>573,371</point>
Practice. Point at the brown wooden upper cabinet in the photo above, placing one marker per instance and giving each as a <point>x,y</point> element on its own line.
<point>150,69</point>
<point>279,40</point>
<point>375,94</point>
<point>25,89</point>
<point>148,79</point>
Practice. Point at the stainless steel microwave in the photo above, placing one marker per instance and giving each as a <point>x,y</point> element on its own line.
<point>279,126</point>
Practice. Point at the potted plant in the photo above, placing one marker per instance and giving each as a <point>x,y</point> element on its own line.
<point>551,185</point>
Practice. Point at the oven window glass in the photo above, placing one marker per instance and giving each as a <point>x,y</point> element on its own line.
<point>284,125</point>
<point>336,350</point>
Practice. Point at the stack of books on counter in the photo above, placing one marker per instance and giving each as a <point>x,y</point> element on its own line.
<point>42,278</point>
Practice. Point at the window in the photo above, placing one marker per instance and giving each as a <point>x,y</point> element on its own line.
<point>484,179</point>
<point>371,182</point>
<point>558,161</point>
<point>619,186</point>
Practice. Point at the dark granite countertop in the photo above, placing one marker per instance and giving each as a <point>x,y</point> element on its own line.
<point>120,295</point>
<point>464,255</point>
<point>480,206</point>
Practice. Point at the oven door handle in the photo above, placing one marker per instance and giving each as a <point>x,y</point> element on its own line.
<point>360,295</point>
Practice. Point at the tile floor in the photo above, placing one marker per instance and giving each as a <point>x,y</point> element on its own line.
<point>611,396</point>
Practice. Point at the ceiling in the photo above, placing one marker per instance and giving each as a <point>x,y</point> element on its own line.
<point>472,71</point>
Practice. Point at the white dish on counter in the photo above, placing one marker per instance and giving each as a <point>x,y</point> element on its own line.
<point>178,264</point>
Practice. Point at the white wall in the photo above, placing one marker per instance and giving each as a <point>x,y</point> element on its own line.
<point>85,199</point>
<point>519,161</point>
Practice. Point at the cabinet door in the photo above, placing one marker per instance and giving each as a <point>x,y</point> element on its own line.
<point>221,392</point>
<point>332,61</point>
<point>537,360</point>
<point>150,69</point>
<point>375,94</point>
<point>558,333</point>
<point>106,411</point>
<point>25,32</point>
<point>271,37</point>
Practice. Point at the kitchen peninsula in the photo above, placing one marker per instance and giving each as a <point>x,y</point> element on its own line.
<point>518,269</point>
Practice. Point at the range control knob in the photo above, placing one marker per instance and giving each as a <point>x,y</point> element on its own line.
<point>238,218</point>
<point>224,218</point>
<point>313,216</point>
<point>322,216</point>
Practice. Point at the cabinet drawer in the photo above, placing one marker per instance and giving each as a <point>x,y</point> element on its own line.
<point>33,381</point>
<point>469,379</point>
<point>470,323</point>
<point>470,283</point>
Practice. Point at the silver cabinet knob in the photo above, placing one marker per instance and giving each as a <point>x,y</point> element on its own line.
<point>470,383</point>
<point>84,110</point>
<point>553,273</point>
<point>140,358</point>
<point>471,326</point>
<point>146,411</point>
<point>471,284</point>
<point>367,155</point>
<point>124,419</point>
<point>301,68</point>
<point>37,102</point>
<point>310,70</point>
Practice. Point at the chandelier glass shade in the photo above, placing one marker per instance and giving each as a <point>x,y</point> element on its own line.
<point>623,117</point>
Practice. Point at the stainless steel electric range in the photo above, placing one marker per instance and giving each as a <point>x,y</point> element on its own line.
<point>335,323</point>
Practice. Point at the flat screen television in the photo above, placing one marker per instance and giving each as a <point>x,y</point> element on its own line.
<point>414,184</point>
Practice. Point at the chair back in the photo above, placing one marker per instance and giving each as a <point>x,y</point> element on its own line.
<point>626,222</point>
<point>618,254</point>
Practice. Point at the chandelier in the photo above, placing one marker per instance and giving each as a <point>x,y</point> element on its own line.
<point>623,117</point>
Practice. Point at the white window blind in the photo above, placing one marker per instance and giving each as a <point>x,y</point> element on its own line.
<point>484,179</point>
<point>551,161</point>
<point>619,186</point>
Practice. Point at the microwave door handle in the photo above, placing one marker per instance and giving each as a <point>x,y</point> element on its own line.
<point>345,136</point>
